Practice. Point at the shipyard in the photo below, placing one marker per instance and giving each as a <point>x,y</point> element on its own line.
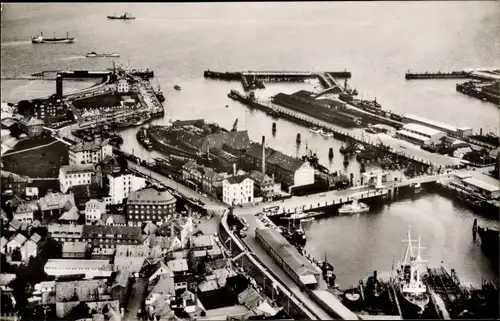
<point>152,189</point>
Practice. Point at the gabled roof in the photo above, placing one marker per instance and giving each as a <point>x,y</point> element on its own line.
<point>117,218</point>
<point>15,225</point>
<point>75,169</point>
<point>259,178</point>
<point>35,237</point>
<point>31,121</point>
<point>3,242</point>
<point>149,228</point>
<point>121,279</point>
<point>27,207</point>
<point>255,150</point>
<point>250,298</point>
<point>18,238</point>
<point>179,265</point>
<point>235,140</point>
<point>74,247</point>
<point>53,201</point>
<point>71,215</point>
<point>163,284</point>
<point>237,179</point>
<point>131,264</point>
<point>286,162</point>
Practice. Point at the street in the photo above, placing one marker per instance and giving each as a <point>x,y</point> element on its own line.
<point>136,299</point>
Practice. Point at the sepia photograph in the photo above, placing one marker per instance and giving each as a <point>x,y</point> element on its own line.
<point>277,160</point>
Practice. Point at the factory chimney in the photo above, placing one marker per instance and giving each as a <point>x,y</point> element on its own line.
<point>59,86</point>
<point>234,169</point>
<point>263,154</point>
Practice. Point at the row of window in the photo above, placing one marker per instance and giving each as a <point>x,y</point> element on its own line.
<point>170,206</point>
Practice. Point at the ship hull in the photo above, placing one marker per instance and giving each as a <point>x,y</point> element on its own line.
<point>410,310</point>
<point>66,40</point>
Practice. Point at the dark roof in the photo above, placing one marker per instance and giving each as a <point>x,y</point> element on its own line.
<point>91,146</point>
<point>255,150</point>
<point>235,140</point>
<point>287,252</point>
<point>259,177</point>
<point>284,161</point>
<point>120,279</point>
<point>236,179</point>
<point>127,232</point>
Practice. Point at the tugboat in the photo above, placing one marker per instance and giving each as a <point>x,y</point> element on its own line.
<point>143,139</point>
<point>125,16</point>
<point>327,271</point>
<point>93,54</point>
<point>354,208</point>
<point>42,39</point>
<point>177,87</point>
<point>411,289</point>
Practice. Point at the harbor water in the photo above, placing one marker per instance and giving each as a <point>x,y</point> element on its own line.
<point>377,42</point>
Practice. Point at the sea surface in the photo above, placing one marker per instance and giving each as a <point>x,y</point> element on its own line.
<point>377,41</point>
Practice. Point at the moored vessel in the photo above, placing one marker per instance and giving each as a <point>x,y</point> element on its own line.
<point>302,216</point>
<point>354,208</point>
<point>413,293</point>
<point>315,130</point>
<point>42,39</point>
<point>177,87</point>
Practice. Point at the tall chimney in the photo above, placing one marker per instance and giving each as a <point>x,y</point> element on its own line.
<point>234,169</point>
<point>263,154</point>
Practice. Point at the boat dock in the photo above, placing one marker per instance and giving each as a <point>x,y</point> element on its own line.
<point>437,75</point>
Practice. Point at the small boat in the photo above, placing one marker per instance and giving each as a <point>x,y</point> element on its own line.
<point>42,39</point>
<point>353,208</point>
<point>227,106</point>
<point>177,87</point>
<point>326,133</point>
<point>309,219</point>
<point>93,54</point>
<point>315,130</point>
<point>125,16</point>
<point>303,216</point>
<point>417,188</point>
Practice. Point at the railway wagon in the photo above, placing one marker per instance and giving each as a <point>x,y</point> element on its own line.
<point>286,255</point>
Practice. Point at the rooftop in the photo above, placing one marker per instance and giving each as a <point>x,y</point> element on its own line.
<point>71,169</point>
<point>53,201</point>
<point>179,265</point>
<point>126,232</point>
<point>421,129</point>
<point>71,215</point>
<point>18,238</point>
<point>202,241</point>
<point>131,264</point>
<point>431,122</point>
<point>115,218</point>
<point>74,247</point>
<point>58,230</point>
<point>31,121</point>
<point>27,207</point>
<point>259,177</point>
<point>150,195</point>
<point>56,264</point>
<point>163,284</point>
<point>287,252</point>
<point>286,162</point>
<point>89,146</point>
<point>236,179</point>
<point>235,140</point>
<point>418,137</point>
<point>481,185</point>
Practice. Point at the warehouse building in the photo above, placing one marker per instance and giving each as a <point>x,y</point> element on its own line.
<point>449,130</point>
<point>420,135</point>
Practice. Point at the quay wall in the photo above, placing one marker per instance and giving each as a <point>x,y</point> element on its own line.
<point>477,93</point>
<point>437,75</point>
<point>263,277</point>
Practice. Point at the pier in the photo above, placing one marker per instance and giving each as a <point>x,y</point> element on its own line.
<point>437,75</point>
<point>254,79</point>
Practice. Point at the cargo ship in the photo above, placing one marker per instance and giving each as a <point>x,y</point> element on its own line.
<point>328,110</point>
<point>42,39</point>
<point>490,243</point>
<point>252,102</point>
<point>142,138</point>
<point>125,16</point>
<point>372,296</point>
<point>413,295</point>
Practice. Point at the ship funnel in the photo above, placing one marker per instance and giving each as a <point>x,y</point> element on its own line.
<point>375,274</point>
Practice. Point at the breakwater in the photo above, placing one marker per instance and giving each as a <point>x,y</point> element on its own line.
<point>437,75</point>
<point>263,277</point>
<point>256,79</point>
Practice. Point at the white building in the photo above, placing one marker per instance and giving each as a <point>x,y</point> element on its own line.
<point>91,268</point>
<point>24,212</point>
<point>123,86</point>
<point>74,175</point>
<point>90,152</point>
<point>420,135</point>
<point>94,209</point>
<point>120,186</point>
<point>237,190</point>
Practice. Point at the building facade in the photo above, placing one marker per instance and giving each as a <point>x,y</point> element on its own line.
<point>105,236</point>
<point>89,152</point>
<point>149,205</point>
<point>237,190</point>
<point>75,175</point>
<point>31,126</point>
<point>121,185</point>
<point>420,135</point>
<point>123,86</point>
<point>94,209</point>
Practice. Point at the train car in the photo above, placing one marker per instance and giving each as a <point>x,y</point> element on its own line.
<point>286,255</point>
